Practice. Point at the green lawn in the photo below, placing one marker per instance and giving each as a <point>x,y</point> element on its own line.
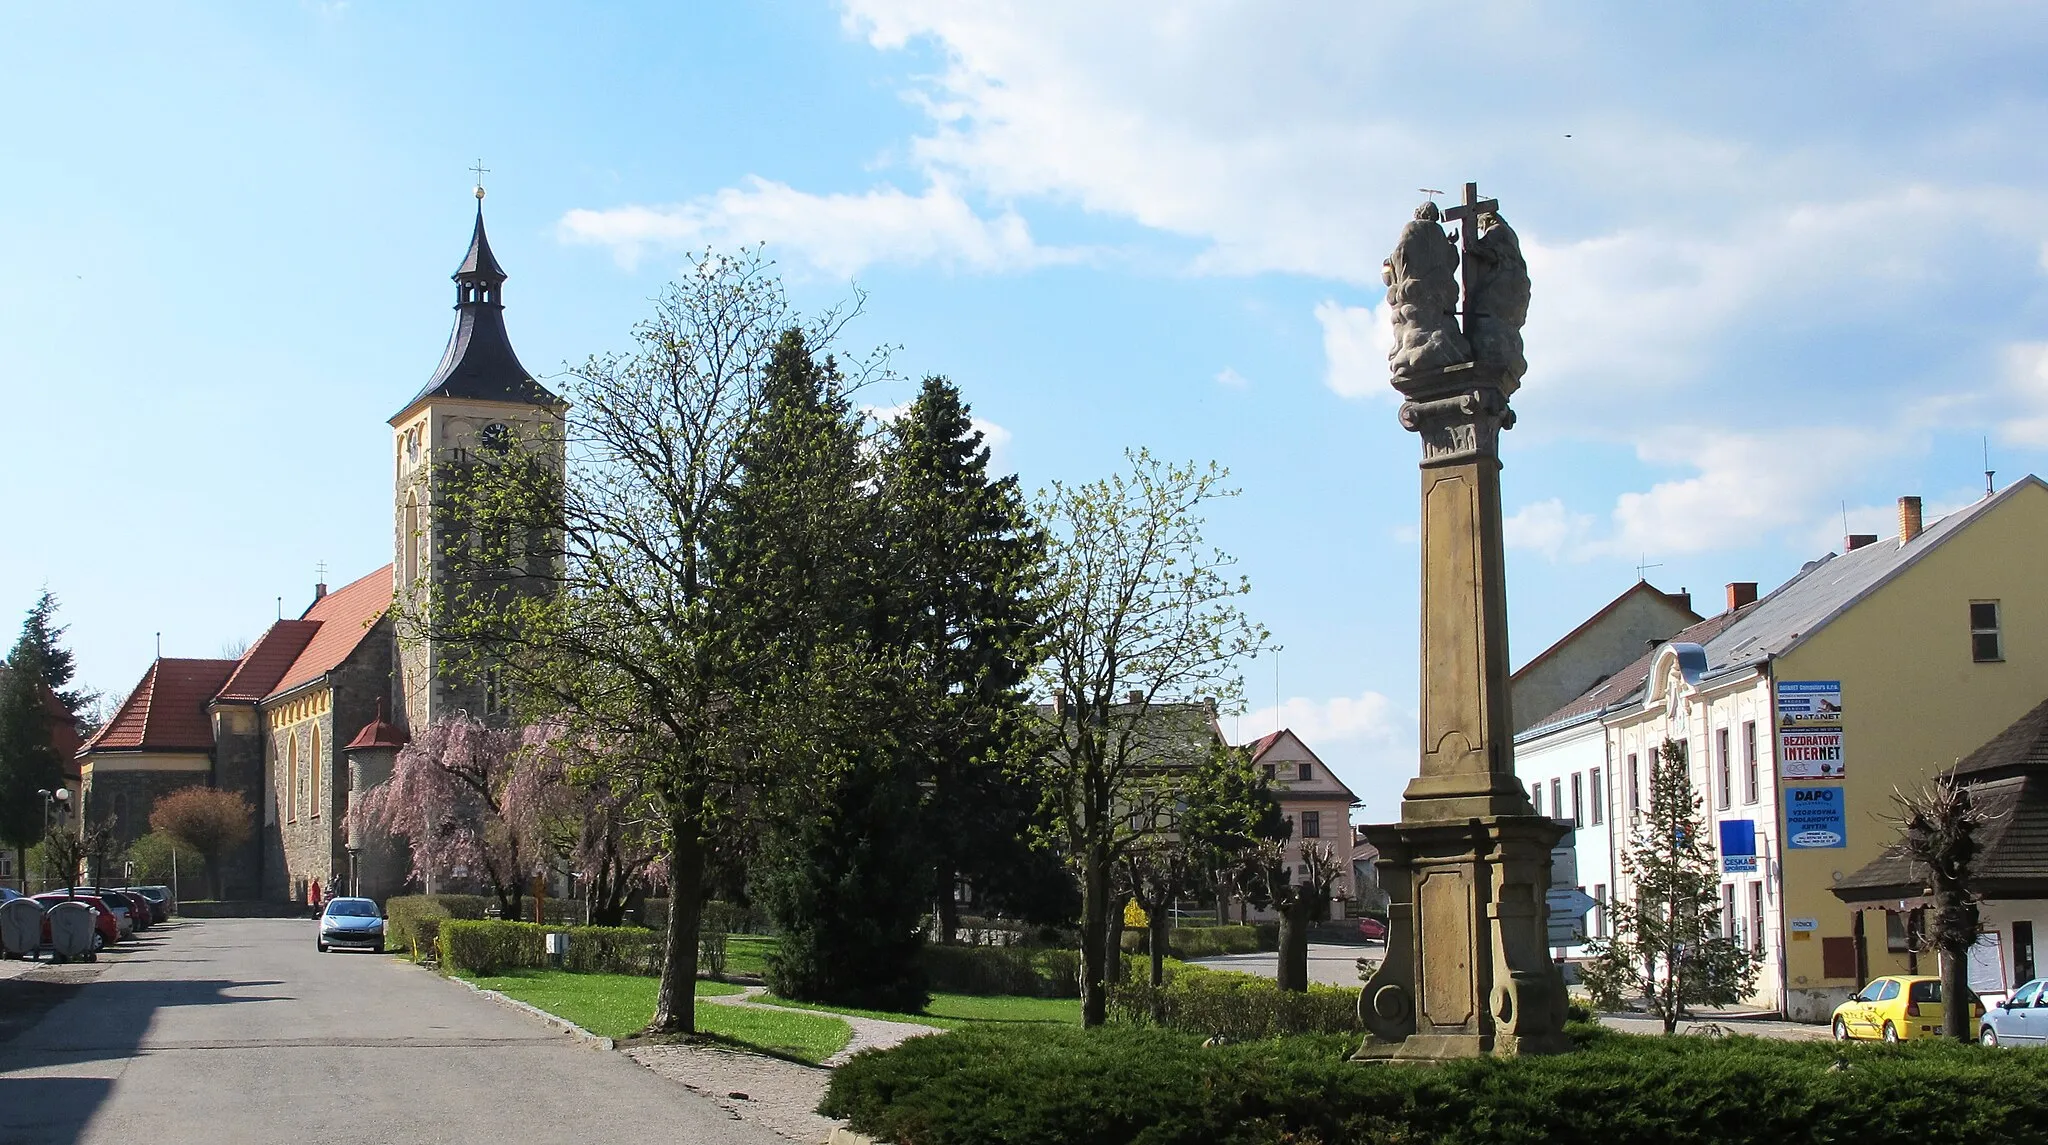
<point>951,1011</point>
<point>747,954</point>
<point>618,1005</point>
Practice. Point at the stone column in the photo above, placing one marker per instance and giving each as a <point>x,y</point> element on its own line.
<point>1466,972</point>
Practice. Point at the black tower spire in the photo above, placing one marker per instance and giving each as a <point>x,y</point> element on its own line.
<point>479,363</point>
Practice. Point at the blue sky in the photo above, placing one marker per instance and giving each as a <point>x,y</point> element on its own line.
<point>1787,257</point>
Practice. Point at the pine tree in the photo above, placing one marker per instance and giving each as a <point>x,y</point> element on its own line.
<point>963,565</point>
<point>41,652</point>
<point>797,550</point>
<point>28,762</point>
<point>1668,949</point>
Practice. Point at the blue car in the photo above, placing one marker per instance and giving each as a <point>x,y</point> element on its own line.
<point>2021,1020</point>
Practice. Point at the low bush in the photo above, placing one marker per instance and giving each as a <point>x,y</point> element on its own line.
<point>1238,1006</point>
<point>1201,941</point>
<point>1047,1085</point>
<point>493,946</point>
<point>413,922</point>
<point>1003,970</point>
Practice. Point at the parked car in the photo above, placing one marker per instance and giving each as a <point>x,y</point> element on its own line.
<point>2020,1020</point>
<point>350,922</point>
<point>1894,1008</point>
<point>124,915</point>
<point>106,931</point>
<point>159,900</point>
<point>139,915</point>
<point>8,893</point>
<point>1372,929</point>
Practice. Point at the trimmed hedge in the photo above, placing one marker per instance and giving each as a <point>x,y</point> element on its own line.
<point>1202,941</point>
<point>1002,970</point>
<point>1118,1085</point>
<point>492,946</point>
<point>413,922</point>
<point>1238,1006</point>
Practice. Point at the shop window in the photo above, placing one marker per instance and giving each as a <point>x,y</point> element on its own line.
<point>1756,915</point>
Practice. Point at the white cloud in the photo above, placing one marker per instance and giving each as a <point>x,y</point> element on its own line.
<point>837,234</point>
<point>1230,379</point>
<point>1368,717</point>
<point>1547,527</point>
<point>2026,386</point>
<point>1356,341</point>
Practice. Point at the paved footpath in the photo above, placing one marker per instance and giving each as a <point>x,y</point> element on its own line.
<point>234,1030</point>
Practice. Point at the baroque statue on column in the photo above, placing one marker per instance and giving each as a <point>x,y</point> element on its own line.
<point>1422,295</point>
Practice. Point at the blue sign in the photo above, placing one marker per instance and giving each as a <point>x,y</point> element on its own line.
<point>1738,837</point>
<point>1815,818</point>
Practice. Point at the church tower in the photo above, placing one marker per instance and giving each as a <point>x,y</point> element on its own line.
<point>479,399</point>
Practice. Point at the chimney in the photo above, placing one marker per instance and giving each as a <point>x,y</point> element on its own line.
<point>1909,519</point>
<point>1855,541</point>
<point>1741,592</point>
<point>319,590</point>
<point>1136,697</point>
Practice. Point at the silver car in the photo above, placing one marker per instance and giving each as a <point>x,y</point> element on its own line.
<point>2021,1020</point>
<point>351,922</point>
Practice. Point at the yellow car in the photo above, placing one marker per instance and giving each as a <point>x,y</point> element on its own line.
<point>1895,1008</point>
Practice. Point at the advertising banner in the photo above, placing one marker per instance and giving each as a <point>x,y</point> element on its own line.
<point>1809,721</point>
<point>1816,818</point>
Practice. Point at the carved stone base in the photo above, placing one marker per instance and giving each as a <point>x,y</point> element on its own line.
<point>1467,971</point>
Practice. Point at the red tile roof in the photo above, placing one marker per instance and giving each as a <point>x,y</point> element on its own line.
<point>378,733</point>
<point>266,662</point>
<point>344,617</point>
<point>167,710</point>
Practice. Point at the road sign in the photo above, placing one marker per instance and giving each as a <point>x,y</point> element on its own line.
<point>1568,907</point>
<point>1564,862</point>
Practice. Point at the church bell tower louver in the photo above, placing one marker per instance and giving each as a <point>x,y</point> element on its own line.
<point>478,397</point>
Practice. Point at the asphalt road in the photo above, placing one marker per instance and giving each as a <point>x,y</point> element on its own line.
<point>1329,963</point>
<point>235,1030</point>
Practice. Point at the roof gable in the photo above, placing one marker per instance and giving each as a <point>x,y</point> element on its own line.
<point>167,709</point>
<point>1276,743</point>
<point>344,617</point>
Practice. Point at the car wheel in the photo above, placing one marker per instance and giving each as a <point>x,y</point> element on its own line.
<point>99,942</point>
<point>1841,1030</point>
<point>1989,1037</point>
<point>320,944</point>
<point>377,949</point>
<point>1891,1034</point>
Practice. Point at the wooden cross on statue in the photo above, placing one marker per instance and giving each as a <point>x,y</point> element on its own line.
<point>1466,215</point>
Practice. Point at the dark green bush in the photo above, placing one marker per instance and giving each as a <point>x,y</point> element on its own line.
<point>1002,970</point>
<point>492,946</point>
<point>1057,1086</point>
<point>414,921</point>
<point>1240,1006</point>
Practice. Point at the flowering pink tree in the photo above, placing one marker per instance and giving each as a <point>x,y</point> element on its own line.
<point>448,796</point>
<point>593,818</point>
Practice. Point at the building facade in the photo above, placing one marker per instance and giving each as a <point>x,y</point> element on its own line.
<point>1316,804</point>
<point>317,708</point>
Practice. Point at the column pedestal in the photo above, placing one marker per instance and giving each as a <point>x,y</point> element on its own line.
<point>1467,970</point>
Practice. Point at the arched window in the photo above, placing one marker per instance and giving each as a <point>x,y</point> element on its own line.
<point>291,776</point>
<point>314,766</point>
<point>412,537</point>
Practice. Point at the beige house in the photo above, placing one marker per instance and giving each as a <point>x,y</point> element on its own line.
<point>1316,803</point>
<point>1609,639</point>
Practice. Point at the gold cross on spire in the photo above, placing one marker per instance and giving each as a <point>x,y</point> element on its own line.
<point>481,171</point>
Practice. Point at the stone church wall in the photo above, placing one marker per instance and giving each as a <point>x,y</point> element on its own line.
<point>238,767</point>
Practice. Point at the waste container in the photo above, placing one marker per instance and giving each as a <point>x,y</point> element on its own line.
<point>72,930</point>
<point>21,927</point>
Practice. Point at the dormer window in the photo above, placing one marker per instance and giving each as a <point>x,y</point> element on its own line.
<point>1302,773</point>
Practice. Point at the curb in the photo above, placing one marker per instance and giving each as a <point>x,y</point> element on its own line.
<point>562,1024</point>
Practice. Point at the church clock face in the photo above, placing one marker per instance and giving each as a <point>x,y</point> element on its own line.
<point>496,437</point>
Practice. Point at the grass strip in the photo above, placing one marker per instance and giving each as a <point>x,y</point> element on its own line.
<point>619,1005</point>
<point>952,1011</point>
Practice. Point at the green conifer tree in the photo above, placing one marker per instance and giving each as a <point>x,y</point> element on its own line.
<point>40,650</point>
<point>963,563</point>
<point>797,552</point>
<point>1668,949</point>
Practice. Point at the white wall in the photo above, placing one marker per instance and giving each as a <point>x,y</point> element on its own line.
<point>1556,757</point>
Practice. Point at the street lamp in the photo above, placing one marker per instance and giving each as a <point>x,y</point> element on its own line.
<point>61,797</point>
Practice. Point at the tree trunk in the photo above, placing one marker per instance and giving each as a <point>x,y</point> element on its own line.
<point>949,910</point>
<point>1095,936</point>
<point>1114,946</point>
<point>1155,940</point>
<point>1293,970</point>
<point>675,1005</point>
<point>1955,995</point>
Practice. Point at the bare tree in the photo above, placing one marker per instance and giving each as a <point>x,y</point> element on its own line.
<point>1939,827</point>
<point>208,820</point>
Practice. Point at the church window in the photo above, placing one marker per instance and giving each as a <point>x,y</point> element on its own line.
<point>291,776</point>
<point>313,766</point>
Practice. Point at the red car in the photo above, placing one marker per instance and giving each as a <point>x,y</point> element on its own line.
<point>1372,929</point>
<point>106,931</point>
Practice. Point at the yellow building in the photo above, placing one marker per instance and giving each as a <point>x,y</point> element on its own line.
<point>1869,671</point>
